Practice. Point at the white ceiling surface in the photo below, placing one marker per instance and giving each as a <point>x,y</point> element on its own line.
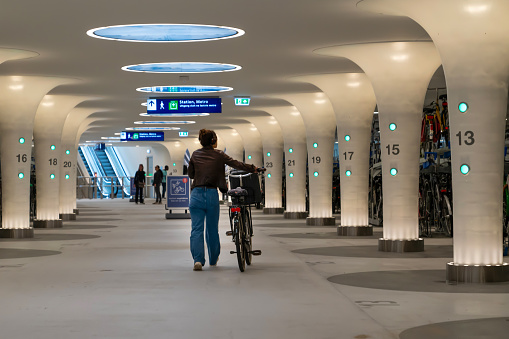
<point>280,37</point>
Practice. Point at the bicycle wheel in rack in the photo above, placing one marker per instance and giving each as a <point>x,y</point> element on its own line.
<point>422,214</point>
<point>446,217</point>
<point>428,211</point>
<point>239,243</point>
<point>247,237</point>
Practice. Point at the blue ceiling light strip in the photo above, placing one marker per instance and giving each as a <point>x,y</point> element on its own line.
<point>182,67</point>
<point>165,33</point>
<point>184,89</point>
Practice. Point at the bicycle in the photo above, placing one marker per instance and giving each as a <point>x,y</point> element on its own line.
<point>435,208</point>
<point>241,225</point>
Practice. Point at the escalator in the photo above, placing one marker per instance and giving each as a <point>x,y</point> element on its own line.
<point>108,166</point>
<point>89,171</point>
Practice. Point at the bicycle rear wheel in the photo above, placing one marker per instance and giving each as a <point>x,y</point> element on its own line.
<point>239,242</point>
<point>446,216</point>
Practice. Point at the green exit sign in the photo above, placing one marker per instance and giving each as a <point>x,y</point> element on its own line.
<point>242,101</point>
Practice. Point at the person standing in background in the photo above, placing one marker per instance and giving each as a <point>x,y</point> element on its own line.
<point>158,180</point>
<point>139,182</point>
<point>165,174</point>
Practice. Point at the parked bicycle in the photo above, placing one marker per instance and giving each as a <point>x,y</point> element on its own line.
<point>246,193</point>
<point>435,200</point>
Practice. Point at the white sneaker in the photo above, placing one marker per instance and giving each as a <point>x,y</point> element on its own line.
<point>215,263</point>
<point>197,266</point>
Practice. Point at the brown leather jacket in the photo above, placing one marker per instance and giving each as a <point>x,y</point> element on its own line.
<point>206,167</point>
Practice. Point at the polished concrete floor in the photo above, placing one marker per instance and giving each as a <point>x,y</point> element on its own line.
<point>124,271</point>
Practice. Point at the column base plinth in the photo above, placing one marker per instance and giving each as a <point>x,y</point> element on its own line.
<point>67,216</point>
<point>295,215</point>
<point>76,211</point>
<point>472,274</point>
<point>48,223</point>
<point>273,210</point>
<point>310,221</point>
<point>401,246</point>
<point>355,231</point>
<point>16,233</point>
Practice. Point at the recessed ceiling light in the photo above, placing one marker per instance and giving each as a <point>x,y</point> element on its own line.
<point>165,32</point>
<point>164,122</point>
<point>184,89</point>
<point>182,67</point>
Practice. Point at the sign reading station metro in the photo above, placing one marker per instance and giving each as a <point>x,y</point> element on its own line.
<point>141,136</point>
<point>183,105</point>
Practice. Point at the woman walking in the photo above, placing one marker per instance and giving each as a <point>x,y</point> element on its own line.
<point>206,167</point>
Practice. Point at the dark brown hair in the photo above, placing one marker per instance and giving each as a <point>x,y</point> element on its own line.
<point>207,137</point>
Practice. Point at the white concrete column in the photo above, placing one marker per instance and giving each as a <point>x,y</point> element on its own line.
<point>294,135</point>
<point>272,141</point>
<point>252,143</point>
<point>48,125</point>
<point>232,141</point>
<point>400,73</point>
<point>318,115</point>
<point>69,160</point>
<point>471,37</point>
<point>353,100</point>
<point>177,151</point>
<point>19,99</point>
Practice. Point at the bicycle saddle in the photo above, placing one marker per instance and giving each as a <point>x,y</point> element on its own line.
<point>237,192</point>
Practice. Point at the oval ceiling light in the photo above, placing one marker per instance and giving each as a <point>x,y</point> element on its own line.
<point>165,32</point>
<point>152,128</point>
<point>185,115</point>
<point>182,67</point>
<point>164,122</point>
<point>184,89</point>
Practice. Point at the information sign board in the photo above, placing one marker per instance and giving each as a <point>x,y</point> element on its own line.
<point>141,136</point>
<point>183,105</point>
<point>178,191</point>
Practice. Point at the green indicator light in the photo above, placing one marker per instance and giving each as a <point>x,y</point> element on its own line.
<point>463,107</point>
<point>21,140</point>
<point>67,152</point>
<point>315,145</point>
<point>290,150</point>
<point>394,171</point>
<point>393,126</point>
<point>464,169</point>
<point>348,173</point>
<point>174,164</point>
<point>21,175</point>
<point>249,157</point>
<point>52,147</point>
<point>67,176</point>
<point>268,154</point>
<point>52,176</point>
<point>291,175</point>
<point>269,175</point>
<point>315,174</point>
<point>347,137</point>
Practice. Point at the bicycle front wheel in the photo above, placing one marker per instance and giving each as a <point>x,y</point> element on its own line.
<point>248,237</point>
<point>239,242</point>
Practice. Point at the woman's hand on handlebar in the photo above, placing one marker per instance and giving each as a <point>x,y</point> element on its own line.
<point>260,170</point>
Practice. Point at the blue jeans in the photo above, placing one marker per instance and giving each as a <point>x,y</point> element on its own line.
<point>204,204</point>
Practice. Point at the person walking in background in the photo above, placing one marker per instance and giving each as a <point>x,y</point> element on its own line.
<point>206,168</point>
<point>139,181</point>
<point>158,180</point>
<point>165,174</point>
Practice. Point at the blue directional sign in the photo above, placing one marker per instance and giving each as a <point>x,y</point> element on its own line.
<point>178,191</point>
<point>141,136</point>
<point>183,105</point>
